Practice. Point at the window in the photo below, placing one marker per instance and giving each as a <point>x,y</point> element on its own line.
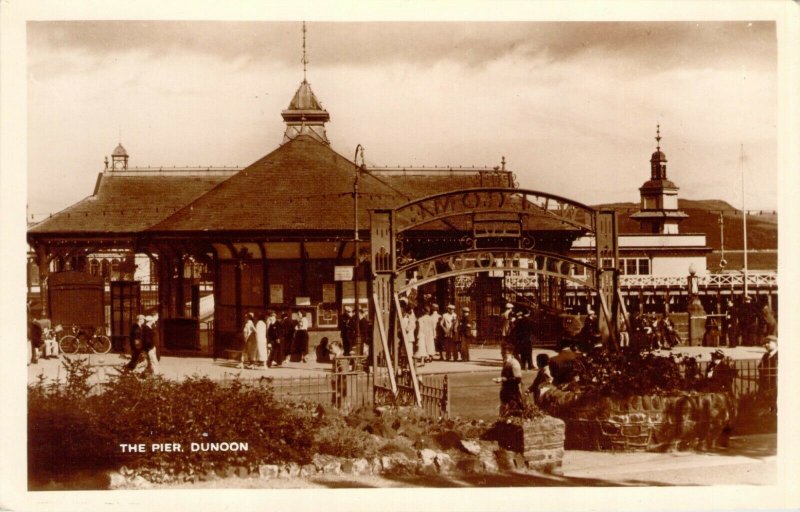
<point>634,266</point>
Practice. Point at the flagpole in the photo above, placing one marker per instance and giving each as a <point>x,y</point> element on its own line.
<point>744,217</point>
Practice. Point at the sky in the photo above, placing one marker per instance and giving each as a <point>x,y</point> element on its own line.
<point>573,106</point>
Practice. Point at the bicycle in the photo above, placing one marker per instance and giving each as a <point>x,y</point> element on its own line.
<point>79,338</point>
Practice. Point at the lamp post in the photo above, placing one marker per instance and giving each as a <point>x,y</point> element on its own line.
<point>357,340</point>
<point>694,309</point>
<point>722,262</point>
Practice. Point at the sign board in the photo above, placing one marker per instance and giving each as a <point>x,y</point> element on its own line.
<point>341,273</point>
<point>276,294</point>
<point>302,301</point>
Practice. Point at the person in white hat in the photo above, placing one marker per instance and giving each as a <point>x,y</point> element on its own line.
<point>508,318</point>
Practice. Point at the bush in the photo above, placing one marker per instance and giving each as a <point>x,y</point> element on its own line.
<point>630,373</point>
<point>343,441</point>
<point>75,426</point>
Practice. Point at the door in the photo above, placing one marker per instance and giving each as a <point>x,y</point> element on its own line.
<point>125,305</point>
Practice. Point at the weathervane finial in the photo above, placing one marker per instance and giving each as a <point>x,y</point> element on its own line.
<point>658,137</point>
<point>305,58</point>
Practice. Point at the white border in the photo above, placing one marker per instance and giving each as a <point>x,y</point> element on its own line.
<point>13,495</point>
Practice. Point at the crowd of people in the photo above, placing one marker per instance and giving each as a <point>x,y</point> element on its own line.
<point>427,334</point>
<point>649,332</point>
<point>747,323</point>
<point>564,369</point>
<point>270,341</point>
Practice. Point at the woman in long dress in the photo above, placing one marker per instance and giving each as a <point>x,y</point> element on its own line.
<point>249,334</point>
<point>408,327</point>
<point>430,331</point>
<point>261,343</point>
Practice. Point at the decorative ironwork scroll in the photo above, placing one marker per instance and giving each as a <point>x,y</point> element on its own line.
<point>493,200</point>
<point>483,260</point>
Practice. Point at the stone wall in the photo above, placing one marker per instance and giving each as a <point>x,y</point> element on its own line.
<point>540,441</point>
<point>637,423</point>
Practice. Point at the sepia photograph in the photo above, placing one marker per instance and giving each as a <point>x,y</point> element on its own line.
<point>305,253</point>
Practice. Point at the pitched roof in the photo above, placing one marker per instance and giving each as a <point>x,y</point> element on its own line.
<point>128,202</point>
<point>306,185</point>
<point>302,185</point>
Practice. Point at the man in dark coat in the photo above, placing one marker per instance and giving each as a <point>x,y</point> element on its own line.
<point>136,342</point>
<point>274,340</point>
<point>768,366</point>
<point>730,325</point>
<point>523,339</point>
<point>36,340</point>
<point>748,320</point>
<point>287,334</point>
<point>347,328</point>
<point>467,330</point>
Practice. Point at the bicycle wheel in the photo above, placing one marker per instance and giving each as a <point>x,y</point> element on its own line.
<point>100,344</point>
<point>68,344</point>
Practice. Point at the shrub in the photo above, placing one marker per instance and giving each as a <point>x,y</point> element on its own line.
<point>76,426</point>
<point>629,373</point>
<point>343,441</point>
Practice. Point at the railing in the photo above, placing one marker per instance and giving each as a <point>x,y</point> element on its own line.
<point>434,390</point>
<point>345,392</point>
<point>435,393</point>
<point>759,279</point>
<point>748,377</point>
<point>765,279</point>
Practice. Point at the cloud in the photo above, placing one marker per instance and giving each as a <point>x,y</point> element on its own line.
<point>564,102</point>
<point>655,45</point>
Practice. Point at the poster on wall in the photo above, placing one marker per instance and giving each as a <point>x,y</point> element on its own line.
<point>276,294</point>
<point>328,293</point>
<point>327,316</point>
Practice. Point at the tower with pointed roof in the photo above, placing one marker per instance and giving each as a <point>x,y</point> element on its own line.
<point>659,197</point>
<point>305,115</point>
<point>119,158</point>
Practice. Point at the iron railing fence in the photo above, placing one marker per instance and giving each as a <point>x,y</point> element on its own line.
<point>748,377</point>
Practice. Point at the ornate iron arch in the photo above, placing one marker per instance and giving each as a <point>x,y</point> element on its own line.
<point>483,260</point>
<point>493,200</point>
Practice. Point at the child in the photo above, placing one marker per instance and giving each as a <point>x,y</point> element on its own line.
<point>543,379</point>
